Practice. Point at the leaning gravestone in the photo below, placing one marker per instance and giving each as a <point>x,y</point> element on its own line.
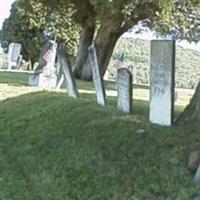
<point>97,77</point>
<point>162,80</point>
<point>124,86</point>
<point>13,54</point>
<point>67,73</point>
<point>44,75</point>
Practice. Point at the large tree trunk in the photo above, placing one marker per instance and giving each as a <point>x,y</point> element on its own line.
<point>105,43</point>
<point>192,111</point>
<point>86,38</point>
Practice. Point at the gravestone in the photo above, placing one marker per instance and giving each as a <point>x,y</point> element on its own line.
<point>44,75</point>
<point>162,78</point>
<point>97,76</point>
<point>124,87</point>
<point>13,54</point>
<point>67,73</point>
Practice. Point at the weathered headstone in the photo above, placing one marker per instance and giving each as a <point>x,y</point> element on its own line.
<point>124,86</point>
<point>97,76</point>
<point>13,54</point>
<point>162,78</point>
<point>44,75</point>
<point>67,73</point>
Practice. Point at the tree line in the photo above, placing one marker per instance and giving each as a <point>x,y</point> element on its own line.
<point>137,53</point>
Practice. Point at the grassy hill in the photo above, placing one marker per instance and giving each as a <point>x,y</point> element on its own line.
<point>53,147</point>
<point>137,53</point>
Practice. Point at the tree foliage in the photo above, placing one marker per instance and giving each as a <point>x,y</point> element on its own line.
<point>30,19</point>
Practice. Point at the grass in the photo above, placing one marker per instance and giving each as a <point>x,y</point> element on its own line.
<point>53,147</point>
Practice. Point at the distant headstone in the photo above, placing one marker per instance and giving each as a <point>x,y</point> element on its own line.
<point>97,76</point>
<point>44,75</point>
<point>67,73</point>
<point>13,54</point>
<point>124,86</point>
<point>162,80</point>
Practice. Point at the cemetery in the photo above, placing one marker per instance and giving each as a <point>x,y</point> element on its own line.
<point>88,127</point>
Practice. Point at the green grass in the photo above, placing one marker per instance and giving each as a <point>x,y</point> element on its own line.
<point>53,147</point>
<point>18,79</point>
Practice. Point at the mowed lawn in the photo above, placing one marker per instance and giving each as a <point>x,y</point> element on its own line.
<point>53,147</point>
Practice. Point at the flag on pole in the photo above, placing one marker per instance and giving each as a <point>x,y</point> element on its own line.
<point>48,54</point>
<point>120,61</point>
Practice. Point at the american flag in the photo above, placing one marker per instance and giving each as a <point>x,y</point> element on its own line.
<point>119,62</point>
<point>48,54</point>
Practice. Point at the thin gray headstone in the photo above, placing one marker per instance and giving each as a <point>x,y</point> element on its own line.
<point>97,76</point>
<point>162,78</point>
<point>67,73</point>
<point>13,54</point>
<point>124,87</point>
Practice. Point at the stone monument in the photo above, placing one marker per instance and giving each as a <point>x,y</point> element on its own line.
<point>67,75</point>
<point>97,76</point>
<point>162,78</point>
<point>124,88</point>
<point>44,75</point>
<point>13,55</point>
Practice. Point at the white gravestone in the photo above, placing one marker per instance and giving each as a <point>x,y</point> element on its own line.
<point>13,54</point>
<point>96,76</point>
<point>162,78</point>
<point>124,87</point>
<point>44,76</point>
<point>67,73</point>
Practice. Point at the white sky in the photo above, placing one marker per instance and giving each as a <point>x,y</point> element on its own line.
<point>5,6</point>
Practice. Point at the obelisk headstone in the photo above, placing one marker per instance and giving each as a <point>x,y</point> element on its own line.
<point>124,88</point>
<point>97,76</point>
<point>162,78</point>
<point>67,73</point>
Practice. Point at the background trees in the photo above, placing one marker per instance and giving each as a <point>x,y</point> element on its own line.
<point>98,21</point>
<point>28,22</point>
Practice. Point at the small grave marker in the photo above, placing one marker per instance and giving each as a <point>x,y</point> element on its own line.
<point>162,80</point>
<point>97,77</point>
<point>124,86</point>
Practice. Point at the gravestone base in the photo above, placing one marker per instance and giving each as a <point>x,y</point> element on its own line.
<point>43,81</point>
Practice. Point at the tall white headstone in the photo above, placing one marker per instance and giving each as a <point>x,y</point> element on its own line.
<point>162,78</point>
<point>13,54</point>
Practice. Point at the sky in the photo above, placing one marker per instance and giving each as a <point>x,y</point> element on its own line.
<point>5,6</point>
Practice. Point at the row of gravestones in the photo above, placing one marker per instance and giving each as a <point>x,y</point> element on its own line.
<point>162,78</point>
<point>162,81</point>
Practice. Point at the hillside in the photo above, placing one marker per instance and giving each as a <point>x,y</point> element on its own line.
<point>56,147</point>
<point>137,53</point>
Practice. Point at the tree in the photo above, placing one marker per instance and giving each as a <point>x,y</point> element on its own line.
<point>30,19</point>
<point>110,19</point>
